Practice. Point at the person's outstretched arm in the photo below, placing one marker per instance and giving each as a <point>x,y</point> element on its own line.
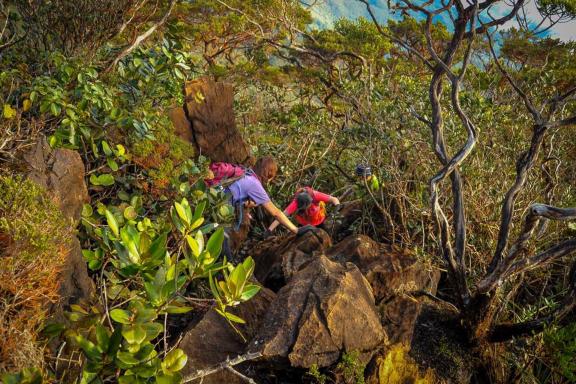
<point>290,209</point>
<point>279,216</point>
<point>326,198</point>
<point>275,223</point>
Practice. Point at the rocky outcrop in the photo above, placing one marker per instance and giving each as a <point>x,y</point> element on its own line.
<point>61,173</point>
<point>279,258</point>
<point>326,309</point>
<point>209,115</point>
<point>394,275</point>
<point>212,340</point>
<point>389,270</point>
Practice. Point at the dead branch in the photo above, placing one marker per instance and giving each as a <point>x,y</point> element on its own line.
<point>510,265</point>
<point>223,365</point>
<point>142,37</point>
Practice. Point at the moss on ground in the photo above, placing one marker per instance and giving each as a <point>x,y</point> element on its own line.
<point>397,367</point>
<point>162,156</point>
<point>34,237</point>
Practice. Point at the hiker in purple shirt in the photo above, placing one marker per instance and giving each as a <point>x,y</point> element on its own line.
<point>250,189</point>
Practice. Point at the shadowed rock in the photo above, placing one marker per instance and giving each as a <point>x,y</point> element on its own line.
<point>389,270</point>
<point>213,340</point>
<point>279,258</point>
<point>394,275</point>
<point>326,309</point>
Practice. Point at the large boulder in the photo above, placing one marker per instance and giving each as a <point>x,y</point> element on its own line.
<point>213,340</point>
<point>278,258</point>
<point>389,270</point>
<point>394,275</point>
<point>326,309</point>
<point>61,173</point>
<point>208,107</point>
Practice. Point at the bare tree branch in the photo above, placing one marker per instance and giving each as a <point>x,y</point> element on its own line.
<point>142,37</point>
<point>510,265</point>
<point>223,365</point>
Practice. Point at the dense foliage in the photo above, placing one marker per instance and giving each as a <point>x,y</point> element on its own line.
<point>89,77</point>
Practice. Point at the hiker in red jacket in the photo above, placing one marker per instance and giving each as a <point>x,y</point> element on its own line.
<point>309,206</point>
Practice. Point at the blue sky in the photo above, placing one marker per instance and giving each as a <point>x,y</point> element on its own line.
<point>325,12</point>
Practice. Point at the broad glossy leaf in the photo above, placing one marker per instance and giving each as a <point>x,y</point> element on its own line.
<point>214,245</point>
<point>181,213</point>
<point>249,292</point>
<point>174,361</point>
<point>120,316</point>
<point>193,245</point>
<point>231,317</point>
<point>134,333</point>
<point>102,338</point>
<point>112,223</point>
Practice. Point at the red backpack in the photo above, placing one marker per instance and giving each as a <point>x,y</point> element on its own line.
<point>225,174</point>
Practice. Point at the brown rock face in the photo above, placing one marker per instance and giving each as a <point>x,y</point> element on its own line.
<point>278,259</point>
<point>182,126</point>
<point>208,106</point>
<point>212,340</point>
<point>389,270</point>
<point>61,173</point>
<point>325,310</point>
<point>392,273</point>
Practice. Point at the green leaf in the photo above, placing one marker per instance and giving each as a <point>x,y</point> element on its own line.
<point>106,148</point>
<point>102,338</point>
<point>89,348</point>
<point>173,309</point>
<point>112,164</point>
<point>157,249</point>
<point>199,210</point>
<point>88,377</point>
<point>213,288</point>
<point>182,213</point>
<point>200,241</point>
<point>115,341</point>
<point>152,330</point>
<point>134,334</point>
<point>197,223</point>
<point>87,210</point>
<point>193,245</point>
<point>174,361</point>
<point>55,109</point>
<point>120,149</point>
<point>112,223</point>
<point>231,317</point>
<point>214,245</point>
<point>120,316</point>
<point>53,330</point>
<point>572,226</point>
<point>249,292</point>
<point>104,179</point>
<point>127,358</point>
<point>130,213</point>
<point>169,379</point>
<point>9,112</point>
